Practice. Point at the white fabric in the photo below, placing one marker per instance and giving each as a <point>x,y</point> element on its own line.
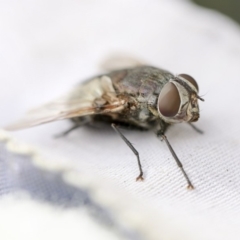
<point>48,46</point>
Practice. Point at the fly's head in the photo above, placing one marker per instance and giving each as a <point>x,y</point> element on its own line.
<point>178,100</point>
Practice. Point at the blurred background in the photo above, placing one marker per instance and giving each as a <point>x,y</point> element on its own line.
<point>229,8</point>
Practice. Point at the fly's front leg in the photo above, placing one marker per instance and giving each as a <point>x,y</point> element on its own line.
<point>140,177</point>
<point>164,138</point>
<point>195,128</point>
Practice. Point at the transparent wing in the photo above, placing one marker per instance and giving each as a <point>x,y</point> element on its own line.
<point>120,61</point>
<point>94,97</point>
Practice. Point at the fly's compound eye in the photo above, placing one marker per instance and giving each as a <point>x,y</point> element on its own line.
<point>169,100</point>
<point>189,79</point>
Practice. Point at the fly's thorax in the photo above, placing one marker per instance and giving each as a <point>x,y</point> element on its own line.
<point>178,100</point>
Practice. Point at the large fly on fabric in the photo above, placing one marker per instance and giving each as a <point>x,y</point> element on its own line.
<point>141,97</point>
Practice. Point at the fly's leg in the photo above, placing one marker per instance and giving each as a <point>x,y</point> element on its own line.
<point>195,128</point>
<point>65,133</point>
<point>164,138</point>
<point>78,122</point>
<point>140,177</point>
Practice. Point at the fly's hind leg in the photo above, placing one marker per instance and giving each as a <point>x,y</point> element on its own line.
<point>140,177</point>
<point>78,122</point>
<point>65,133</point>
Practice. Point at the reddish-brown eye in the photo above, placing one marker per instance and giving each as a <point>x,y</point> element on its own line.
<point>189,79</point>
<point>169,100</point>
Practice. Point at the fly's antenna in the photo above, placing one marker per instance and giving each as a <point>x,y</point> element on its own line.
<point>200,98</point>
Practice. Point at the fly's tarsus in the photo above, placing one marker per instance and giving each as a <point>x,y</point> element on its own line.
<point>140,177</point>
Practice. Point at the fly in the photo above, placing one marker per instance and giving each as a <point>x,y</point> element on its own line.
<point>141,97</point>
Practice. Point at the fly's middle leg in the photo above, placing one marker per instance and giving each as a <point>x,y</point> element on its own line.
<point>140,177</point>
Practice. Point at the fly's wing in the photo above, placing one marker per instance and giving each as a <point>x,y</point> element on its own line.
<point>120,61</point>
<point>96,96</point>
